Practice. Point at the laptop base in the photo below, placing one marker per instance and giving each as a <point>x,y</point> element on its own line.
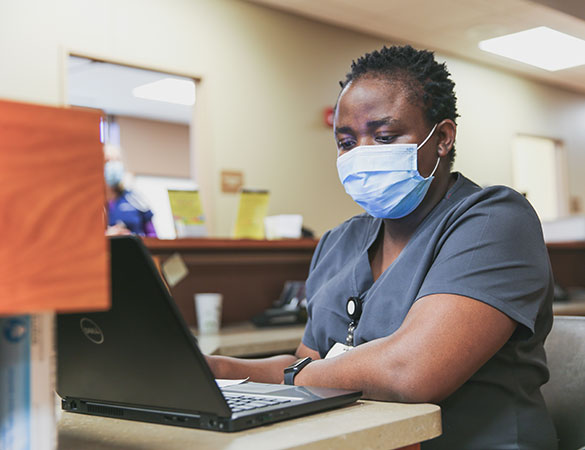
<point>189,420</point>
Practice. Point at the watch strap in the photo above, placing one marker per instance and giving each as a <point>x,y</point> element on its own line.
<point>289,377</point>
<point>291,371</point>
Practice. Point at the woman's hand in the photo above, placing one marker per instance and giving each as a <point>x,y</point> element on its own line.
<point>117,230</point>
<point>214,363</point>
<point>265,370</point>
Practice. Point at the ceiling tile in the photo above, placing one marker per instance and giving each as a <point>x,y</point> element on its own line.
<point>453,27</point>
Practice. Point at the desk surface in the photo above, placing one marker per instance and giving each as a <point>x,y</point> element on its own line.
<point>248,340</point>
<point>365,424</point>
<point>571,308</point>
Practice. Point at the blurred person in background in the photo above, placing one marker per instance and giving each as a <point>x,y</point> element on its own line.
<point>127,212</point>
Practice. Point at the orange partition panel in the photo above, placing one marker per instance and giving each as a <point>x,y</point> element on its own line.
<point>53,252</point>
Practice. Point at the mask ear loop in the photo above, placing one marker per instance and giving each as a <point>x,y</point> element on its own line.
<point>435,169</point>
<point>428,137</point>
<point>423,143</point>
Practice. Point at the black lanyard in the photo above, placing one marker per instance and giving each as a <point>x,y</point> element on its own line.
<point>353,308</point>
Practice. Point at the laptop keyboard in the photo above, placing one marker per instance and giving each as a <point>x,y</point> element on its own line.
<point>242,402</point>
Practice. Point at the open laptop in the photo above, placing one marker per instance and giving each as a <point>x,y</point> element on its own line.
<point>139,361</point>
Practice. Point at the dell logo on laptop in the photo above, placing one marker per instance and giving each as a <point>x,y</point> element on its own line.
<point>91,330</point>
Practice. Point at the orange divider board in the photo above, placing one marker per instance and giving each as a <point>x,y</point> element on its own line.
<point>53,252</point>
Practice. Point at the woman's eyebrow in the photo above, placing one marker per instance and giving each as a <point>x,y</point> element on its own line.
<point>389,120</point>
<point>343,130</point>
<point>383,121</point>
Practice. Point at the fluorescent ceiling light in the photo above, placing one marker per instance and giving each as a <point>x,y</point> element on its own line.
<point>541,47</point>
<point>170,90</point>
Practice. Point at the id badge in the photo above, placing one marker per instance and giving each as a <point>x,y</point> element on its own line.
<point>337,350</point>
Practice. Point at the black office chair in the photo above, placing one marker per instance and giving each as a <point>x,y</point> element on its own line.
<point>565,392</point>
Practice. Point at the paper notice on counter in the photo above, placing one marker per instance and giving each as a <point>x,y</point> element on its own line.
<point>174,269</point>
<point>187,211</point>
<point>251,213</point>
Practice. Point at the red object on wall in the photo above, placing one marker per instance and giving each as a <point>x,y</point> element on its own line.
<point>328,116</point>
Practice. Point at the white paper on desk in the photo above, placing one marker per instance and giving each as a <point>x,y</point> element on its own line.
<point>283,226</point>
<point>225,383</point>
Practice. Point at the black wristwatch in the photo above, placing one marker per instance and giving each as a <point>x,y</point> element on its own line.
<point>291,371</point>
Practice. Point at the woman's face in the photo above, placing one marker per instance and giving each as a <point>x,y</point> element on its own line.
<point>373,111</point>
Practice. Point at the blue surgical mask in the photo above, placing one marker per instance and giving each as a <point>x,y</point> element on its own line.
<point>384,179</point>
<point>113,173</point>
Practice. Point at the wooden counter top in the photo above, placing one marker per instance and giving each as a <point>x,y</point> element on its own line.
<point>248,340</point>
<point>230,244</point>
<point>365,424</point>
<point>570,308</point>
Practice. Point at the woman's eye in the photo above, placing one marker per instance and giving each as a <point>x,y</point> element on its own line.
<point>345,145</point>
<point>385,139</point>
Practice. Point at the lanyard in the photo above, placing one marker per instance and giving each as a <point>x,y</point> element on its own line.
<point>353,307</point>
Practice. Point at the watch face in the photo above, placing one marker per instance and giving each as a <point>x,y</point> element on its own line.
<point>298,364</point>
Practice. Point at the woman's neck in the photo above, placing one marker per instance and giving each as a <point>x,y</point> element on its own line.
<point>395,233</point>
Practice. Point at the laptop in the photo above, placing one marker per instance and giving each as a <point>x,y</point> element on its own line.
<point>139,361</point>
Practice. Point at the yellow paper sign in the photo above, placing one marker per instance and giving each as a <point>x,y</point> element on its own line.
<point>251,213</point>
<point>187,212</point>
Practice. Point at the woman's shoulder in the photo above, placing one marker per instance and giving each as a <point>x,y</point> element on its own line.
<point>497,213</point>
<point>467,197</point>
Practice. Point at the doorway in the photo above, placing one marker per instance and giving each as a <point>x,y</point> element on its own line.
<point>540,173</point>
<point>148,121</point>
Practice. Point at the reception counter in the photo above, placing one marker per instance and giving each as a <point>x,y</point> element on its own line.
<point>249,273</point>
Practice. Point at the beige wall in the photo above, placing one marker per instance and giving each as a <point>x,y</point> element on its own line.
<point>266,76</point>
<point>152,147</point>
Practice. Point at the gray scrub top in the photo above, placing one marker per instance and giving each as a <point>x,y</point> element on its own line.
<point>485,244</point>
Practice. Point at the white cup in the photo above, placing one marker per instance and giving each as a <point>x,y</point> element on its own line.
<point>208,308</point>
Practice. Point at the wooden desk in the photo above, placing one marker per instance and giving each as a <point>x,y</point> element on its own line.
<point>365,424</point>
<point>246,340</point>
<point>249,273</point>
<point>573,307</point>
<point>567,260</point>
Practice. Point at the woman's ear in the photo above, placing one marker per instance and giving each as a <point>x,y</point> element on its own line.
<point>446,132</point>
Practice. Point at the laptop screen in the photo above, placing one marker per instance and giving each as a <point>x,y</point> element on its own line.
<point>117,356</point>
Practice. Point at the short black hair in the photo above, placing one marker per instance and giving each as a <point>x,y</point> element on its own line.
<point>426,80</point>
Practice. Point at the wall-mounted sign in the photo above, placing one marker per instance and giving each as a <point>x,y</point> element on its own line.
<point>231,181</point>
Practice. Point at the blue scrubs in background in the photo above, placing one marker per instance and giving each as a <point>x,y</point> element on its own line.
<point>133,213</point>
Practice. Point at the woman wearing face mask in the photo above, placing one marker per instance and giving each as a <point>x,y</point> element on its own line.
<point>441,292</point>
<point>127,213</point>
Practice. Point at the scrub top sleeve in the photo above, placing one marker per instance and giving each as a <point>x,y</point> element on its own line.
<point>318,250</point>
<point>308,338</point>
<point>149,230</point>
<point>494,252</point>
